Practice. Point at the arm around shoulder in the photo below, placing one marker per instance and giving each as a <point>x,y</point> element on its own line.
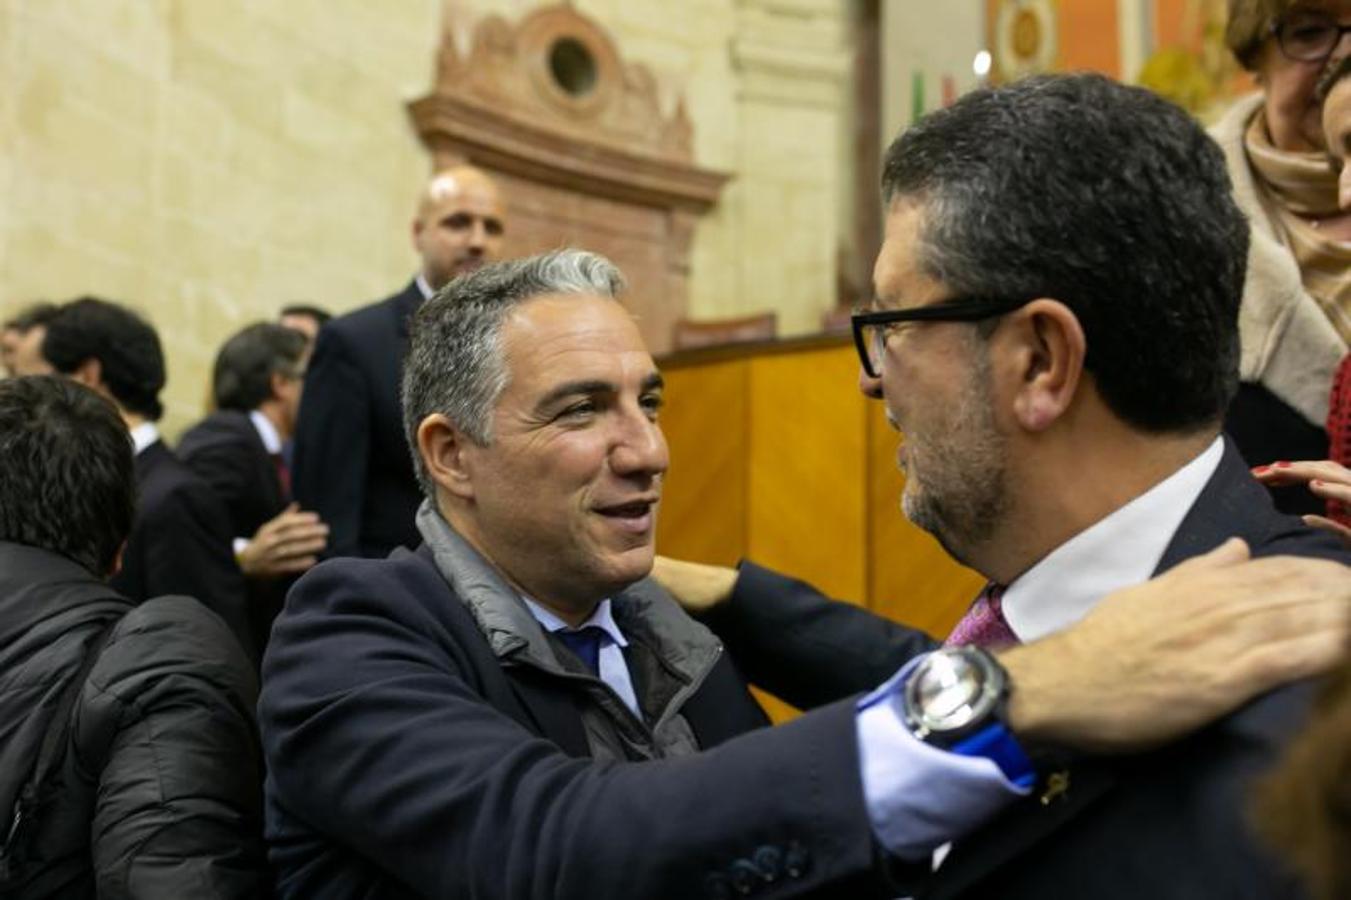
<point>454,797</point>
<point>800,645</point>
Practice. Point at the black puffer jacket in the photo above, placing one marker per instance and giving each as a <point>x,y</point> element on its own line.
<point>160,793</point>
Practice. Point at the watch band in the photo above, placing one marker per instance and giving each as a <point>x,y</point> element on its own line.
<point>986,736</point>
<point>996,743</point>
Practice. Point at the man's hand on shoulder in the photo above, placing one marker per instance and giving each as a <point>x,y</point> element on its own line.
<point>1156,661</point>
<point>696,587</point>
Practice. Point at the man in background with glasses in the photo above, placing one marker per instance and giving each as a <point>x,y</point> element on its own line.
<point>1055,333</point>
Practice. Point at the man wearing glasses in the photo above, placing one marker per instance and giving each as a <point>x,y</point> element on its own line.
<point>1055,334</point>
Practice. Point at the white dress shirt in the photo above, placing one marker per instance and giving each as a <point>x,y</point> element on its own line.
<point>423,286</point>
<point>613,670</point>
<point>143,436</point>
<point>267,432</point>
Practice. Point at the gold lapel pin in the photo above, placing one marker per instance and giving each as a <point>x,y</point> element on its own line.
<point>1057,787</point>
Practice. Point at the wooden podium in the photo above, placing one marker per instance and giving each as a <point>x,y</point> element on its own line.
<point>777,457</point>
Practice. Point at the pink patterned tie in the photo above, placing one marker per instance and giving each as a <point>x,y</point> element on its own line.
<point>984,623</point>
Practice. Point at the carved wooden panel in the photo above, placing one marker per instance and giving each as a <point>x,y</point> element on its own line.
<point>584,152</point>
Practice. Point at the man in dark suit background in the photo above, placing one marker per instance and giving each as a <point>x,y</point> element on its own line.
<point>351,463</point>
<point>1057,339</point>
<point>179,541</point>
<point>237,450</point>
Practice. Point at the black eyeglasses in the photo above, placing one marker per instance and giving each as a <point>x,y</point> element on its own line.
<point>870,328</point>
<point>1308,36</point>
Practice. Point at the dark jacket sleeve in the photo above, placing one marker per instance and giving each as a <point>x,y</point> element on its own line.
<point>332,442</point>
<point>169,706</point>
<point>375,736</point>
<point>791,640</point>
<point>187,551</point>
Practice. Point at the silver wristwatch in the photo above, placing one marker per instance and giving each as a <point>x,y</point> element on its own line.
<point>955,699</point>
<point>952,693</point>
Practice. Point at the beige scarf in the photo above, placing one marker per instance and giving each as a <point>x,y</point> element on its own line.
<point>1299,186</point>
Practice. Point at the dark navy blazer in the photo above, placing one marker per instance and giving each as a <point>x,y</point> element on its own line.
<point>352,464</point>
<point>406,759</point>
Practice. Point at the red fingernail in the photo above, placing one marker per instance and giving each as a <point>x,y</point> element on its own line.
<point>1258,470</point>
<point>1317,481</point>
<point>1282,465</point>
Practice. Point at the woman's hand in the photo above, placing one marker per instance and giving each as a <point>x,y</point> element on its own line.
<point>1325,478</point>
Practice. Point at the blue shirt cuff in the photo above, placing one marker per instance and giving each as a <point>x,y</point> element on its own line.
<point>921,797</point>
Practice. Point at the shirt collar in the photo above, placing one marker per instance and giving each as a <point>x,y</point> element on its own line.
<point>601,617</point>
<point>266,431</point>
<point>423,286</point>
<point>143,436</point>
<point>1118,551</point>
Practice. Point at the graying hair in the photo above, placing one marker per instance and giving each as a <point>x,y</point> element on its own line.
<point>455,363</point>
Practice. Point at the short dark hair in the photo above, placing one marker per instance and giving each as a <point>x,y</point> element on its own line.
<point>68,484</point>
<point>242,376</point>
<point>126,346</point>
<point>1105,197</point>
<point>317,313</point>
<point>31,316</point>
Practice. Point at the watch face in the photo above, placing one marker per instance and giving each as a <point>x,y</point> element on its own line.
<point>952,689</point>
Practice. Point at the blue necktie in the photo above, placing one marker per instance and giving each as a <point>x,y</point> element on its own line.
<point>585,643</point>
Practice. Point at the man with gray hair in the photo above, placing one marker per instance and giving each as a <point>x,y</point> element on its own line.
<point>513,710</point>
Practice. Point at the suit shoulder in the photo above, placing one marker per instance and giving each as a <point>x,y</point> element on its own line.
<point>1291,537</point>
<point>162,477</point>
<point>401,580</point>
<point>355,325</point>
<point>1272,718</point>
<point>363,604</point>
<point>223,428</point>
<point>174,484</point>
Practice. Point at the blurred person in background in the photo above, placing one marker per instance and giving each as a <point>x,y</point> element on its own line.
<point>1295,322</point>
<point>129,763</point>
<point>21,341</point>
<point>179,542</point>
<point>351,465</point>
<point>1330,480</point>
<point>237,450</point>
<point>305,318</point>
<point>1304,807</point>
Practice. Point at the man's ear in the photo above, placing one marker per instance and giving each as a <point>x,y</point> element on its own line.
<point>1050,353</point>
<point>447,452</point>
<point>89,373</point>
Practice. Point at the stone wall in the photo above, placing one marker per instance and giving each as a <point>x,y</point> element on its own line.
<point>210,160</point>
